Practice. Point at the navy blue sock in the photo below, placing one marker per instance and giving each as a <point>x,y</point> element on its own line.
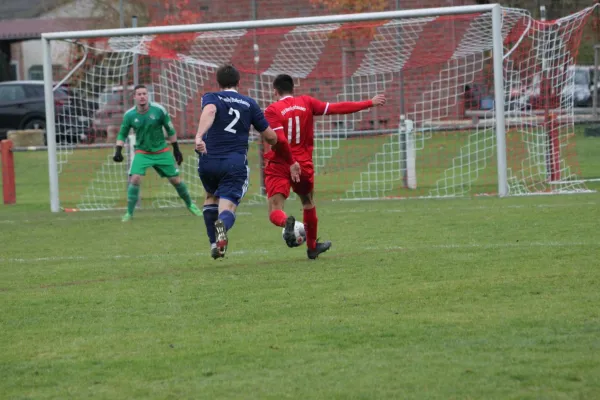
<point>211,213</point>
<point>228,219</point>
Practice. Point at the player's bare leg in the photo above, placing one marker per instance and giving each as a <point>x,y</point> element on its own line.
<point>182,191</point>
<point>276,214</point>
<point>279,218</point>
<point>133,193</point>
<point>210,211</point>
<point>224,223</point>
<point>310,224</point>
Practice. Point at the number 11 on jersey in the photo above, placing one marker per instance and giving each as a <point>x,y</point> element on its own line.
<point>290,128</point>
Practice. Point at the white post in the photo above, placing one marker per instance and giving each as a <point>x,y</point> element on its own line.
<point>131,137</point>
<point>596,80</point>
<point>410,152</point>
<point>545,49</point>
<point>50,127</point>
<point>130,149</point>
<point>498,57</point>
<point>136,72</point>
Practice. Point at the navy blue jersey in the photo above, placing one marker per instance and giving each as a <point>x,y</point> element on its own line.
<point>230,131</point>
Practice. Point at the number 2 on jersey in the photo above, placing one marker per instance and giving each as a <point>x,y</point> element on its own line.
<point>233,111</point>
<point>290,126</point>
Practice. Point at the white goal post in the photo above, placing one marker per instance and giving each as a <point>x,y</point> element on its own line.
<point>429,151</point>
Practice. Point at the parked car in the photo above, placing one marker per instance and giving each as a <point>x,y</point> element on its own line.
<point>583,86</point>
<point>580,87</point>
<point>22,105</point>
<point>74,119</point>
<point>479,96</point>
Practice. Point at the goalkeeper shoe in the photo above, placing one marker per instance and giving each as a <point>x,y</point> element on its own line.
<point>320,248</point>
<point>288,233</point>
<point>214,252</point>
<point>126,217</point>
<point>195,210</point>
<point>221,237</point>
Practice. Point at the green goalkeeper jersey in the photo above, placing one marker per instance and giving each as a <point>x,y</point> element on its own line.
<point>148,127</point>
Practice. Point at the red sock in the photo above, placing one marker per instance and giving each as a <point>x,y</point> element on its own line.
<point>310,225</point>
<point>278,218</point>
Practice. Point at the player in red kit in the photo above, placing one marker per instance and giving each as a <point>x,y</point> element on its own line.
<point>294,115</point>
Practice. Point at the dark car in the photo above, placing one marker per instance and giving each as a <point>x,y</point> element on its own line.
<point>74,119</point>
<point>22,105</point>
<point>478,97</point>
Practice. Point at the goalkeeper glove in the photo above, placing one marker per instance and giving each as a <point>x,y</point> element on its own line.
<point>118,157</point>
<point>177,153</point>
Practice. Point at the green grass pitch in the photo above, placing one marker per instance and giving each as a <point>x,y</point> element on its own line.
<point>472,298</point>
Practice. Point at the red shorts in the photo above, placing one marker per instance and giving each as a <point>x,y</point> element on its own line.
<point>278,179</point>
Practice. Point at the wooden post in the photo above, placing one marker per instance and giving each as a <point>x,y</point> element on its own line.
<point>8,172</point>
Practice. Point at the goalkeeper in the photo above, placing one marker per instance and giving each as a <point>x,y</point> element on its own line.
<point>151,149</point>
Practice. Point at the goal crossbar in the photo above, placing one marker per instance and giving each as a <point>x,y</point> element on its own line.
<point>272,23</point>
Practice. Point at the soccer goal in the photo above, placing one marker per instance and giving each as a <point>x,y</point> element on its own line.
<point>478,101</point>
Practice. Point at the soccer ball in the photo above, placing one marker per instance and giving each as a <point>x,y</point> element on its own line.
<point>299,232</point>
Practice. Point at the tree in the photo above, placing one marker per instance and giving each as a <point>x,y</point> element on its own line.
<point>353,33</point>
<point>176,12</point>
<point>351,6</point>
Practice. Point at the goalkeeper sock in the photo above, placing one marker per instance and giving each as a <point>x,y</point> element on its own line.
<point>278,217</point>
<point>182,191</point>
<point>133,192</point>
<point>211,213</point>
<point>228,219</point>
<point>310,225</point>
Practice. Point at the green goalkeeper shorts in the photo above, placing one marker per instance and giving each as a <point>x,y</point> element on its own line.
<point>163,163</point>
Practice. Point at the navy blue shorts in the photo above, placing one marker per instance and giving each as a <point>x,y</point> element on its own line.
<point>226,178</point>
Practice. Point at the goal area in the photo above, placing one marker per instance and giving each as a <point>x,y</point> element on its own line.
<point>479,102</point>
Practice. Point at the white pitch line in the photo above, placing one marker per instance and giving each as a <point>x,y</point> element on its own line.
<point>483,246</point>
<point>432,246</point>
<point>111,217</point>
<point>96,217</point>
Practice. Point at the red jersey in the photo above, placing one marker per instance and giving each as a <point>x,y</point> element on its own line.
<point>294,116</point>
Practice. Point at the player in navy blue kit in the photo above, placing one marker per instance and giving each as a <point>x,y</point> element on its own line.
<point>222,143</point>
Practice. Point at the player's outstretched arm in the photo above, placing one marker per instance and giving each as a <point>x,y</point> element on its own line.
<point>346,107</point>
<point>207,118</point>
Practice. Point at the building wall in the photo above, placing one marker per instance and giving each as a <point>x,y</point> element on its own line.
<point>28,53</point>
<point>17,58</point>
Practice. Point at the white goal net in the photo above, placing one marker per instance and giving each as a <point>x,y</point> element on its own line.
<point>435,137</point>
